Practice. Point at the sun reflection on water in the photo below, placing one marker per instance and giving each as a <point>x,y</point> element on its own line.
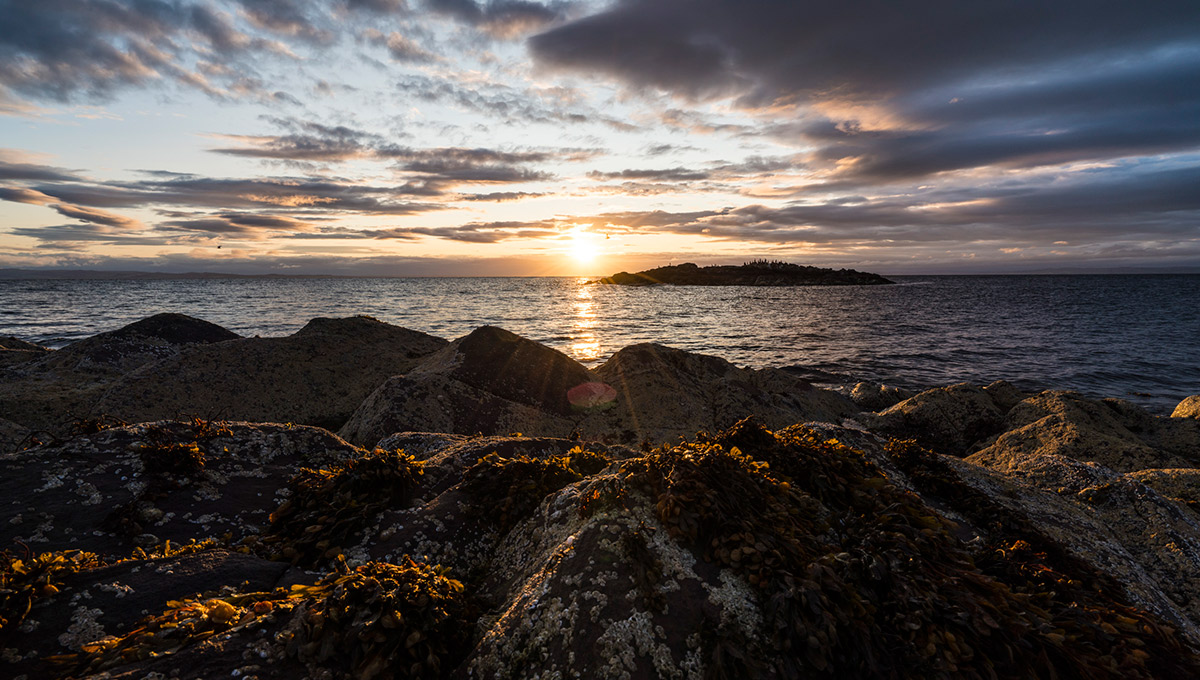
<point>585,345</point>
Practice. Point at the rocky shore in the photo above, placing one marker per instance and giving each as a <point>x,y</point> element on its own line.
<point>358,500</point>
<point>758,273</point>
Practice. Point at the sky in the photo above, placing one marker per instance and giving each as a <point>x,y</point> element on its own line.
<point>514,137</point>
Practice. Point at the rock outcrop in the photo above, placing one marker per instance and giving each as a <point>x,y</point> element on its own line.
<point>1111,432</point>
<point>316,376</point>
<point>750,274</point>
<point>876,397</point>
<point>810,551</point>
<point>1188,408</point>
<point>49,391</point>
<point>946,419</point>
<point>494,382</point>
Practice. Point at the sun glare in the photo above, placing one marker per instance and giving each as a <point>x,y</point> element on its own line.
<point>584,245</point>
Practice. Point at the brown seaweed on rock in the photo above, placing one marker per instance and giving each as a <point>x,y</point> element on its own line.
<point>859,578</point>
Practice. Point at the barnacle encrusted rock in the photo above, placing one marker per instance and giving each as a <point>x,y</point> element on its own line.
<point>168,480</point>
<point>316,376</point>
<point>877,397</point>
<point>1111,432</point>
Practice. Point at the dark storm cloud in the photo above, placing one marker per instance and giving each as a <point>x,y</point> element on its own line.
<point>956,85</point>
<point>770,49</point>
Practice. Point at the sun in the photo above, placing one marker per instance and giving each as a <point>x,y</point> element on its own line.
<point>583,246</point>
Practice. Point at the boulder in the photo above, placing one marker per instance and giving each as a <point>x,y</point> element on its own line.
<point>1111,432</point>
<point>490,381</point>
<point>50,391</point>
<point>946,419</point>
<point>8,342</point>
<point>139,485</point>
<point>1188,408</point>
<point>1005,395</point>
<point>316,376</point>
<point>494,382</point>
<point>664,393</point>
<point>806,551</point>
<point>876,397</point>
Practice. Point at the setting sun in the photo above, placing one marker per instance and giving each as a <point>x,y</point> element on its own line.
<point>584,245</point>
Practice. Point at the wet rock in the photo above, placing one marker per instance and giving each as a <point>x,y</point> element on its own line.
<point>316,376</point>
<point>946,419</point>
<point>1111,432</point>
<point>877,397</point>
<point>1188,408</point>
<point>173,480</point>
<point>47,393</point>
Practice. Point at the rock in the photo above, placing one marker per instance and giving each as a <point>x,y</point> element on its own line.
<point>110,600</point>
<point>173,480</point>
<point>664,393</point>
<point>49,392</point>
<point>657,394</point>
<point>877,397</point>
<point>1188,408</point>
<point>12,436</point>
<point>316,376</point>
<point>1004,395</point>
<point>946,419</point>
<point>1111,432</point>
<point>10,343</point>
<point>751,274</point>
<point>811,550</point>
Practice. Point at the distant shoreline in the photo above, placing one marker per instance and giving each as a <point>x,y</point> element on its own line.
<point>102,275</point>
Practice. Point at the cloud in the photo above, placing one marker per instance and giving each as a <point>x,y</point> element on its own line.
<point>906,90</point>
<point>502,18</point>
<point>16,170</point>
<point>95,216</point>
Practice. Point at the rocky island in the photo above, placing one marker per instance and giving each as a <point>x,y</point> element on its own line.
<point>359,500</point>
<point>756,273</point>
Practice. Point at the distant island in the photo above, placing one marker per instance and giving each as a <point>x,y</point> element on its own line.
<point>756,273</point>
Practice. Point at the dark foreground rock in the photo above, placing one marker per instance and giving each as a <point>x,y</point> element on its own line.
<point>316,376</point>
<point>751,274</point>
<point>494,382</point>
<point>811,551</point>
<point>46,391</point>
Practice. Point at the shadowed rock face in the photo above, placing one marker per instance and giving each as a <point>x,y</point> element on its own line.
<point>317,376</point>
<point>812,551</point>
<point>945,419</point>
<point>494,382</point>
<point>46,393</point>
<point>513,368</point>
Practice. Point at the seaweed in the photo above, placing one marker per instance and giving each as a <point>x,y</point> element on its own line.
<point>509,489</point>
<point>407,620</point>
<point>859,578</point>
<point>24,580</point>
<point>328,507</point>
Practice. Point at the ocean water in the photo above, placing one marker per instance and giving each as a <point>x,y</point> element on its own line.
<point>1136,337</point>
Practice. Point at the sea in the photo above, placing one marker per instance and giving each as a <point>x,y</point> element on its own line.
<point>1131,336</point>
